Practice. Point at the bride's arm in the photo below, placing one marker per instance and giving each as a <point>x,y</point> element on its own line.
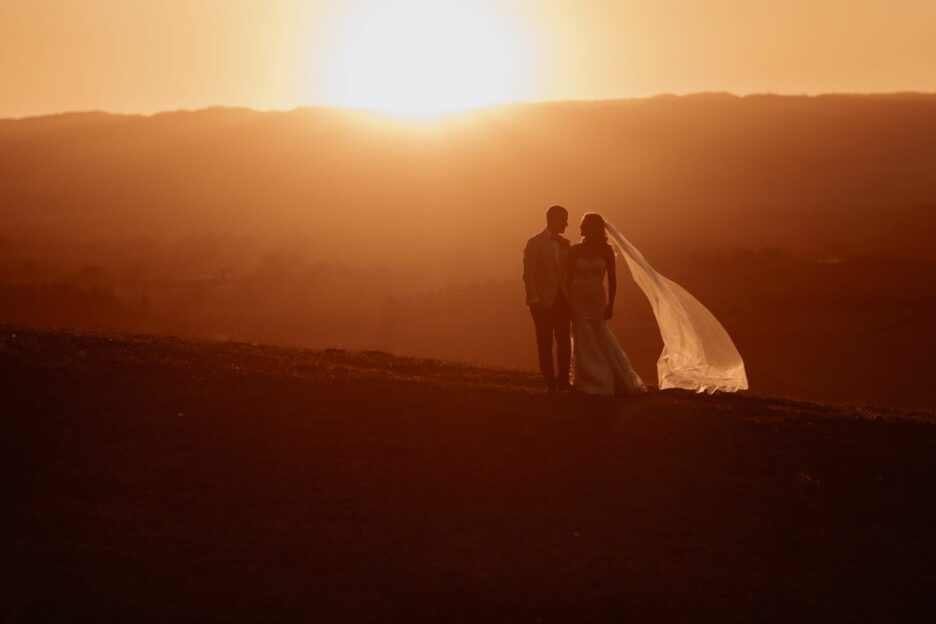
<point>570,268</point>
<point>529,274</point>
<point>612,282</point>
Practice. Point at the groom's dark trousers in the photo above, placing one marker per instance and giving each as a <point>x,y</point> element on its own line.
<point>550,324</point>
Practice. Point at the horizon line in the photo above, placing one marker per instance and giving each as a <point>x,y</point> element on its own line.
<point>457,113</point>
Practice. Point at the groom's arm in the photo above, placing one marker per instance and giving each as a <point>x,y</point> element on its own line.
<point>529,273</point>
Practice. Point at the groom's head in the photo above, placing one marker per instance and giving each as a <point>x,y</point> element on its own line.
<point>557,219</point>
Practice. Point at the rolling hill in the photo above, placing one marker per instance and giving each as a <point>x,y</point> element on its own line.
<point>158,478</point>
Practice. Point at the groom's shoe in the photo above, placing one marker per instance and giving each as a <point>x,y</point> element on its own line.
<point>564,387</point>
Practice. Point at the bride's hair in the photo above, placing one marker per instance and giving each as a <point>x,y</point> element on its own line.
<point>593,227</point>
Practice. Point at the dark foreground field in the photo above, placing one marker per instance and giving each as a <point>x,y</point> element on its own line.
<point>162,479</point>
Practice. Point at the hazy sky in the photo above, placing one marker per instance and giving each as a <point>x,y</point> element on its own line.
<point>149,55</point>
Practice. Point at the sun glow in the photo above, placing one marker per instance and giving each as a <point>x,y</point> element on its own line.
<point>424,58</point>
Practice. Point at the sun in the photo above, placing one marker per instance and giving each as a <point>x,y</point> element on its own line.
<point>424,58</point>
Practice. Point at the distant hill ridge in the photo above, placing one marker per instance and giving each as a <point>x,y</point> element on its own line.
<point>687,97</point>
<point>695,171</point>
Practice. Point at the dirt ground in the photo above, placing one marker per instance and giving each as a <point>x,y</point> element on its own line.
<point>158,479</point>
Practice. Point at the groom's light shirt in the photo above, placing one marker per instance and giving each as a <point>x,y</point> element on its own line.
<point>553,243</point>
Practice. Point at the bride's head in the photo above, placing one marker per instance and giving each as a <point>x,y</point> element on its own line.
<point>593,228</point>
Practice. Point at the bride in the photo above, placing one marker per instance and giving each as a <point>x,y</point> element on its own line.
<point>697,355</point>
<point>600,365</point>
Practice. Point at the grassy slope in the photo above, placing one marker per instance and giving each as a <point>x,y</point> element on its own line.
<point>178,478</point>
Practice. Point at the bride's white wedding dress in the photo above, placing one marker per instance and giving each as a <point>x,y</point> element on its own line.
<point>698,354</point>
<point>599,364</point>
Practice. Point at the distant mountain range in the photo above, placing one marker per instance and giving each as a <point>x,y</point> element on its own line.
<point>818,176</point>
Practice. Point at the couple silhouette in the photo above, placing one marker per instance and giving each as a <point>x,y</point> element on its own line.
<point>567,297</point>
<point>570,290</point>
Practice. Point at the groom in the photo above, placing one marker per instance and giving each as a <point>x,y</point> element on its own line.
<point>544,277</point>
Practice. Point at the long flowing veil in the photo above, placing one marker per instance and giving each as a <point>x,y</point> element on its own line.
<point>698,353</point>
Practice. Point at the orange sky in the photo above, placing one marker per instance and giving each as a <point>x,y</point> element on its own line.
<point>150,55</point>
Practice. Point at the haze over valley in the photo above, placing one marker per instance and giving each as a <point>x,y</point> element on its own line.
<point>804,223</point>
